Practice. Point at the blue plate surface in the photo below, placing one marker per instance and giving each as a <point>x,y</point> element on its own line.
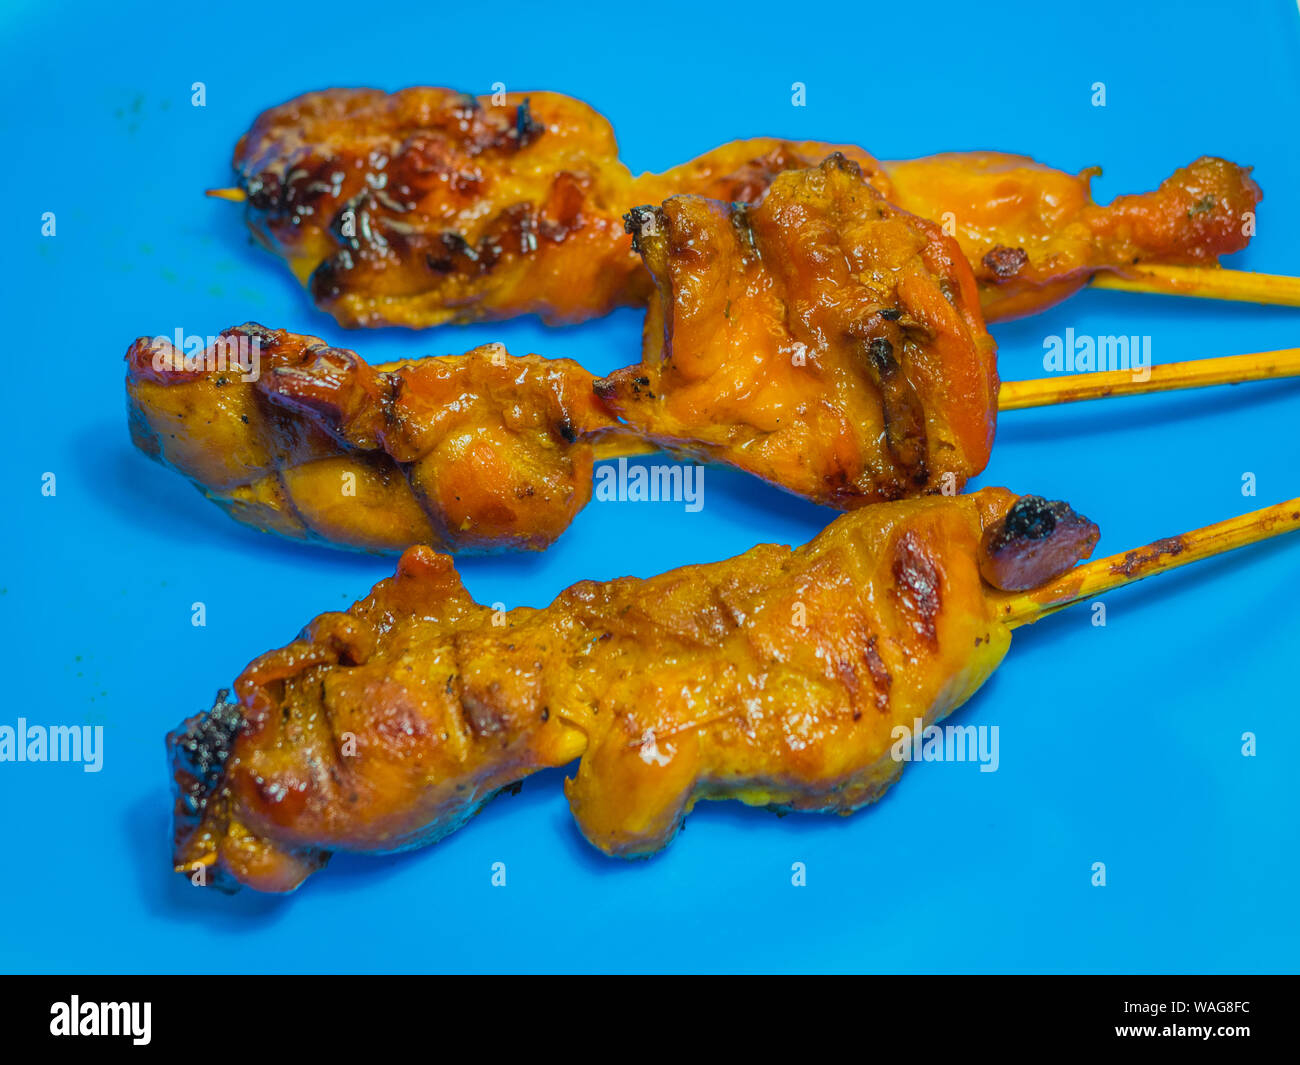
<point>1119,744</point>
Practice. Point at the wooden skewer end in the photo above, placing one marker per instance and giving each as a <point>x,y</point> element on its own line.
<point>234,195</point>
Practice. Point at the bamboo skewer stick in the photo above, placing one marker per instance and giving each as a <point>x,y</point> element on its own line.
<point>1077,388</point>
<point>1204,282</point>
<point>1167,377</point>
<point>1106,574</point>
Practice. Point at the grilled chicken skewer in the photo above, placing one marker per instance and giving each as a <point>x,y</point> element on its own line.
<point>429,206</point>
<point>776,678</point>
<point>822,340</point>
<point>477,452</point>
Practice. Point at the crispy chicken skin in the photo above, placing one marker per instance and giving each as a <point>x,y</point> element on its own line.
<point>1034,235</point>
<point>821,339</point>
<point>427,206</point>
<point>469,453</point>
<point>775,678</point>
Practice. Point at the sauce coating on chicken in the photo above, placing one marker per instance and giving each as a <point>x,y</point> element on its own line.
<point>477,452</point>
<point>821,339</point>
<point>427,206</point>
<point>1034,235</point>
<point>776,678</point>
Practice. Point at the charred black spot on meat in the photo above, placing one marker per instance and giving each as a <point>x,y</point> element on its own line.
<point>527,128</point>
<point>263,190</point>
<point>881,353</point>
<point>1005,263</point>
<point>1031,517</point>
<point>1035,541</point>
<point>839,161</point>
<point>642,222</point>
<point>200,751</point>
<point>452,253</point>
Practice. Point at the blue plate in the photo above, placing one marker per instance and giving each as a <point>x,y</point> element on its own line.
<point>1119,744</point>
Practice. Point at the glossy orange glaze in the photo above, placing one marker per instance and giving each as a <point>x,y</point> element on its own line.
<point>1034,235</point>
<point>775,678</point>
<point>477,452</point>
<point>821,339</point>
<point>428,206</point>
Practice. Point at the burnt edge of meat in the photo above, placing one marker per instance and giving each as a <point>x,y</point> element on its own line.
<point>1035,541</point>
<point>527,128</point>
<point>199,751</point>
<point>840,161</point>
<point>1005,263</point>
<point>643,221</point>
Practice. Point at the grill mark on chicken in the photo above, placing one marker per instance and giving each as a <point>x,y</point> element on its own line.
<point>918,584</point>
<point>903,414</point>
<point>1005,263</point>
<point>784,349</point>
<point>427,161</point>
<point>880,675</point>
<point>694,684</point>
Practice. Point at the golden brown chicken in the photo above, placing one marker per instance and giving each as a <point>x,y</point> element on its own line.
<point>822,340</point>
<point>1034,235</point>
<point>775,678</point>
<point>428,206</point>
<point>476,452</point>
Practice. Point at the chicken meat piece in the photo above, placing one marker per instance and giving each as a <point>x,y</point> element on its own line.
<point>428,206</point>
<point>476,452</point>
<point>821,339</point>
<point>776,678</point>
<point>1034,235</point>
